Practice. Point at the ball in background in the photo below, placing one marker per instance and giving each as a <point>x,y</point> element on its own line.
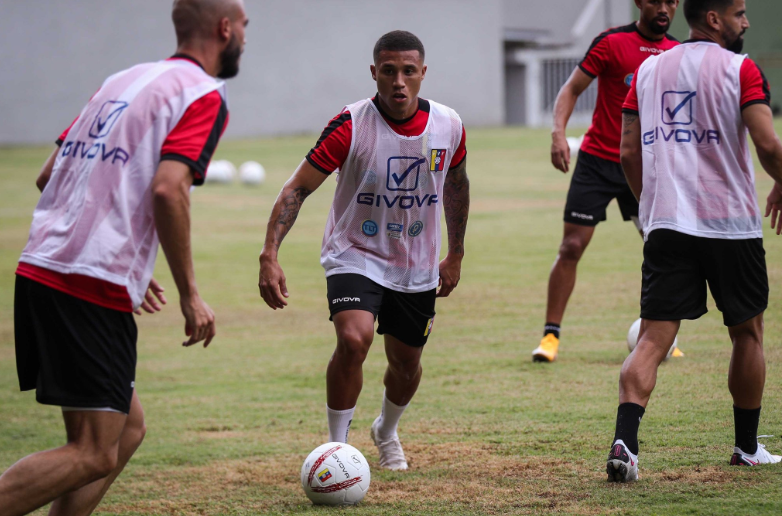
<point>252,173</point>
<point>632,338</point>
<point>220,171</point>
<point>335,474</point>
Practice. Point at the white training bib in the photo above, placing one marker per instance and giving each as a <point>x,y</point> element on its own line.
<point>384,222</point>
<point>95,216</point>
<point>698,177</point>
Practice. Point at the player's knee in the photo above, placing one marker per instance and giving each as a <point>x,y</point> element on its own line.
<point>749,333</point>
<point>571,249</point>
<point>353,346</point>
<point>136,432</point>
<point>406,369</point>
<point>98,463</point>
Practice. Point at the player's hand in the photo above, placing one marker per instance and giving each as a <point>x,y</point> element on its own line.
<point>450,273</point>
<point>774,207</point>
<point>560,152</point>
<point>271,283</point>
<point>153,299</point>
<point>199,321</point>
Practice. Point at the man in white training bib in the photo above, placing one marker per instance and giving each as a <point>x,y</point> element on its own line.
<point>399,159</point>
<point>686,157</point>
<point>117,184</point>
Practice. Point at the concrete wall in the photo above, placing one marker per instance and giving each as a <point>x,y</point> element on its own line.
<point>559,17</point>
<point>304,59</point>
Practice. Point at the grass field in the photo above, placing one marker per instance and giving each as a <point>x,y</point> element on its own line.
<point>489,432</point>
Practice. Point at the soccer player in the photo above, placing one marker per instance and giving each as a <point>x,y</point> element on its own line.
<point>399,158</point>
<point>613,57</point>
<point>685,153</point>
<point>118,182</point>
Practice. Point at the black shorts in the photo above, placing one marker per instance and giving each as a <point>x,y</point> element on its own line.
<point>595,183</point>
<point>677,268</point>
<point>72,352</point>
<point>407,316</point>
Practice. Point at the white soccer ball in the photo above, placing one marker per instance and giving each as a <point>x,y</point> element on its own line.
<point>219,171</point>
<point>632,338</point>
<point>252,173</point>
<point>575,145</point>
<point>335,474</point>
<point>228,169</point>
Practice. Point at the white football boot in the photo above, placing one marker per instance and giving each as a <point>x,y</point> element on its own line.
<point>761,456</point>
<point>622,466</point>
<point>391,454</point>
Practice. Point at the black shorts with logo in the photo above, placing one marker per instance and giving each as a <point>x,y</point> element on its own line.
<point>72,352</point>
<point>595,183</point>
<point>407,316</point>
<point>677,268</point>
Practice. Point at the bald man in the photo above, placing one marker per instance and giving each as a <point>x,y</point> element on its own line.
<point>134,152</point>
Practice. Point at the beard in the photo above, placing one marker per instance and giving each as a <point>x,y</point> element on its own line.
<point>229,59</point>
<point>658,29</point>
<point>737,45</point>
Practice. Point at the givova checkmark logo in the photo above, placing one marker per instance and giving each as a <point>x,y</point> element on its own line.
<point>108,115</point>
<point>677,107</point>
<point>404,173</point>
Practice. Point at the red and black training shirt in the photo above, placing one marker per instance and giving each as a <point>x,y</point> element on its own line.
<point>613,58</point>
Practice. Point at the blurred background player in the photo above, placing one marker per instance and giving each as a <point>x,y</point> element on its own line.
<point>613,57</point>
<point>685,153</point>
<point>399,158</point>
<point>119,180</point>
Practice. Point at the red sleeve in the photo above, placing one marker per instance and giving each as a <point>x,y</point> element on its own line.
<point>754,86</point>
<point>631,102</point>
<point>333,146</point>
<point>461,151</point>
<point>65,132</point>
<point>194,139</point>
<point>597,57</point>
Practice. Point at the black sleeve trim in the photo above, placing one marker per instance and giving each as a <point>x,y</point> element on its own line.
<point>198,176</point>
<point>581,66</point>
<point>314,164</point>
<point>211,141</point>
<point>766,88</point>
<point>58,142</point>
<point>333,126</point>
<point>464,158</point>
<point>756,101</point>
<point>630,111</point>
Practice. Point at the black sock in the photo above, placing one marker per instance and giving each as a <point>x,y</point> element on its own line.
<point>628,419</point>
<point>552,329</point>
<point>746,423</point>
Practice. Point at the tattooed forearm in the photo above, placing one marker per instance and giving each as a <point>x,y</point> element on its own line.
<point>628,119</point>
<point>284,214</point>
<point>456,193</point>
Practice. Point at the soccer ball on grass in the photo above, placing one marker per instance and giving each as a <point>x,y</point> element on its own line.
<point>335,474</point>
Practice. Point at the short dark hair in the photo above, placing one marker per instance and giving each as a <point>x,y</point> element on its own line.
<point>398,41</point>
<point>695,10</point>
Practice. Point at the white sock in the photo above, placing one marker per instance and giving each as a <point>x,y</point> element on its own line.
<point>389,419</point>
<point>339,424</point>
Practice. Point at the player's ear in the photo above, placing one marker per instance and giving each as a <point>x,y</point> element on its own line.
<point>225,29</point>
<point>423,72</point>
<point>374,72</point>
<point>638,3</point>
<point>713,20</point>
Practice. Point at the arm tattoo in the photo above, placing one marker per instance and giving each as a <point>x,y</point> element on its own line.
<point>290,204</point>
<point>457,206</point>
<point>628,119</point>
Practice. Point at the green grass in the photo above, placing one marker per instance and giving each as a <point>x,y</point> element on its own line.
<point>489,432</point>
